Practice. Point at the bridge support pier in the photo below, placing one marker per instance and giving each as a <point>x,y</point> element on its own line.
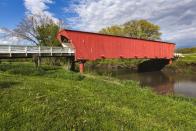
<point>170,61</point>
<point>82,67</point>
<point>71,64</point>
<point>37,61</point>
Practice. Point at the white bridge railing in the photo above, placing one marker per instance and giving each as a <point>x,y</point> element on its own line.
<point>15,49</point>
<point>180,55</point>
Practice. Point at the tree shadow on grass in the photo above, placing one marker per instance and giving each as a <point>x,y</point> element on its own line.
<point>7,84</point>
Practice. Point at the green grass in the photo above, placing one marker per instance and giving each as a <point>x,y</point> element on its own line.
<point>189,59</point>
<point>54,99</point>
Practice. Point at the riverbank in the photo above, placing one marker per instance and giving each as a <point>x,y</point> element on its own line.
<point>53,99</point>
<point>182,65</point>
<point>110,64</point>
<point>186,64</point>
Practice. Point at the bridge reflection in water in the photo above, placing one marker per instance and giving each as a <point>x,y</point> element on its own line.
<point>161,82</point>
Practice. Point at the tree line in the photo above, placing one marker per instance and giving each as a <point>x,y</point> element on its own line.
<point>141,29</point>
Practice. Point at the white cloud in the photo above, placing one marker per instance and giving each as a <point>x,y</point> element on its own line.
<point>40,7</point>
<point>176,18</point>
<point>6,39</point>
<point>9,41</point>
<point>1,31</point>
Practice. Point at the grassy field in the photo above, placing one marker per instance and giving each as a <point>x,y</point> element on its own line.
<point>190,55</point>
<point>53,99</point>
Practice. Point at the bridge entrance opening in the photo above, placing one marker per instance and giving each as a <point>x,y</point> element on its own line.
<point>65,42</point>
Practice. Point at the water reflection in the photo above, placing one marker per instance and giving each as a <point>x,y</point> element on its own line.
<point>161,82</point>
<point>187,88</point>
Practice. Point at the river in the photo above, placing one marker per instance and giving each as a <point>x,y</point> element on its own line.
<point>161,82</point>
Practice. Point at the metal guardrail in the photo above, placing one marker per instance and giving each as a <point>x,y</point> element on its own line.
<point>15,49</point>
<point>177,55</point>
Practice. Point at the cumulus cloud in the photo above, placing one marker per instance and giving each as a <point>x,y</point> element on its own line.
<point>40,7</point>
<point>176,18</point>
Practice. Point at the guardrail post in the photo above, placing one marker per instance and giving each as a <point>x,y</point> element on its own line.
<point>39,51</point>
<point>69,51</point>
<point>61,51</point>
<point>10,51</point>
<point>51,51</point>
<point>26,51</point>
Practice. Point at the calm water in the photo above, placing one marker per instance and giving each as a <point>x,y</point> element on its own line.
<point>161,82</point>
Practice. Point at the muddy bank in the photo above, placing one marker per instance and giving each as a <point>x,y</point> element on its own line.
<point>175,67</point>
<point>181,68</point>
<point>109,67</point>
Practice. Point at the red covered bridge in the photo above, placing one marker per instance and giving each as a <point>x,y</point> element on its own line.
<point>93,46</point>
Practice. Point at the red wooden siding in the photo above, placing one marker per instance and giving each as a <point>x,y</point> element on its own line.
<point>92,46</point>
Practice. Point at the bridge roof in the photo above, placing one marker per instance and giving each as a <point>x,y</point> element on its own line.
<point>86,32</point>
<point>92,46</point>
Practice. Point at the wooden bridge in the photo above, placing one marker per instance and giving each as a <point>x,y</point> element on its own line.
<point>87,46</point>
<point>16,51</point>
<point>92,46</point>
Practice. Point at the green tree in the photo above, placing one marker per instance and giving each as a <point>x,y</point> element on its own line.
<point>46,34</point>
<point>113,30</point>
<point>40,30</point>
<point>141,29</point>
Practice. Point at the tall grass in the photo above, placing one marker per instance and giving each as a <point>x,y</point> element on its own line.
<point>53,99</point>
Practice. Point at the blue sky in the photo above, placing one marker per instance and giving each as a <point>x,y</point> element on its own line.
<point>12,11</point>
<point>176,18</point>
